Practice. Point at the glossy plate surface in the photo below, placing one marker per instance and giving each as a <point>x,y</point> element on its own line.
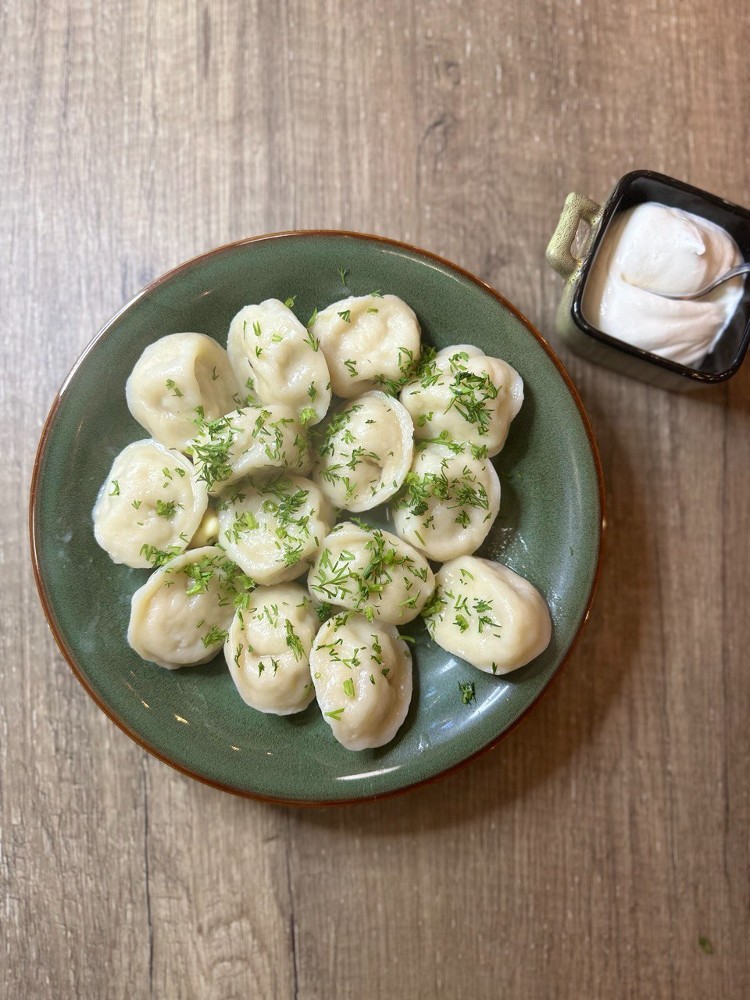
<point>548,529</point>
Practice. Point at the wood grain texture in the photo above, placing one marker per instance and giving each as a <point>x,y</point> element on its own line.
<point>591,852</point>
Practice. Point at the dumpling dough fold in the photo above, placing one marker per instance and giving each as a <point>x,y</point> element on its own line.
<point>362,672</point>
<point>365,452</point>
<point>177,379</point>
<point>149,506</point>
<point>449,501</point>
<point>488,615</point>
<point>180,616</point>
<point>274,528</point>
<point>268,649</point>
<point>272,351</point>
<point>465,395</point>
<point>371,571</point>
<point>247,441</point>
<point>369,341</point>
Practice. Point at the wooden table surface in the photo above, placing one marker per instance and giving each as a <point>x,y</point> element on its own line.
<point>601,851</point>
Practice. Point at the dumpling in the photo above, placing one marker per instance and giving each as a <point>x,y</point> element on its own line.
<point>464,395</point>
<point>274,528</point>
<point>362,672</point>
<point>365,452</point>
<point>268,649</point>
<point>249,440</point>
<point>207,532</point>
<point>149,506</point>
<point>180,616</point>
<point>488,615</point>
<point>270,348</point>
<point>448,502</point>
<point>373,572</point>
<point>175,379</point>
<point>368,341</point>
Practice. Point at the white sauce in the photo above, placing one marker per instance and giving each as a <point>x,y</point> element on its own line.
<point>652,248</point>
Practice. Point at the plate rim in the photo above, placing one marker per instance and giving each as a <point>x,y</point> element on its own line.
<point>45,435</point>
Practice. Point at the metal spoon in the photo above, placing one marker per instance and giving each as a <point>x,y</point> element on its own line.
<point>687,296</point>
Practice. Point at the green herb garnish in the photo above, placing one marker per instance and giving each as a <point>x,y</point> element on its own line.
<point>167,508</point>
<point>468,694</point>
<point>215,634</point>
<point>158,557</point>
<point>293,641</point>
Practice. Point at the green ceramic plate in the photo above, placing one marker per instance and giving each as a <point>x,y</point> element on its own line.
<point>548,529</point>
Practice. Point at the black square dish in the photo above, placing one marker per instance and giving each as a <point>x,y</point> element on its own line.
<point>634,188</point>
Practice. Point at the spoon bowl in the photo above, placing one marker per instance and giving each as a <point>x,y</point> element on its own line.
<point>733,272</point>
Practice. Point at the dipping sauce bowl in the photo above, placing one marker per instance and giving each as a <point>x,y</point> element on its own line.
<point>573,256</point>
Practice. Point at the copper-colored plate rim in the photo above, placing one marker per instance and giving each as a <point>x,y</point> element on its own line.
<point>167,276</point>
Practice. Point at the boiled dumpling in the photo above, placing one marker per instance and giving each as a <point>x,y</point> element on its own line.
<point>488,615</point>
<point>373,572</point>
<point>362,672</point>
<point>150,505</point>
<point>269,348</point>
<point>448,502</point>
<point>176,379</point>
<point>368,341</point>
<point>181,614</point>
<point>247,441</point>
<point>365,452</point>
<point>274,528</point>
<point>207,532</point>
<point>268,649</point>
<point>464,395</point>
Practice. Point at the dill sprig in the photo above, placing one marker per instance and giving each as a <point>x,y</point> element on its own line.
<point>215,635</point>
<point>167,508</point>
<point>408,363</point>
<point>212,446</point>
<point>157,556</point>
<point>293,641</point>
<point>468,692</point>
<point>470,393</point>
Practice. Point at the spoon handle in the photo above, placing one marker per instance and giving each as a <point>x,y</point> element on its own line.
<point>733,272</point>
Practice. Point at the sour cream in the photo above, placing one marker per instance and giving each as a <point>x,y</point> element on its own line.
<point>653,248</point>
